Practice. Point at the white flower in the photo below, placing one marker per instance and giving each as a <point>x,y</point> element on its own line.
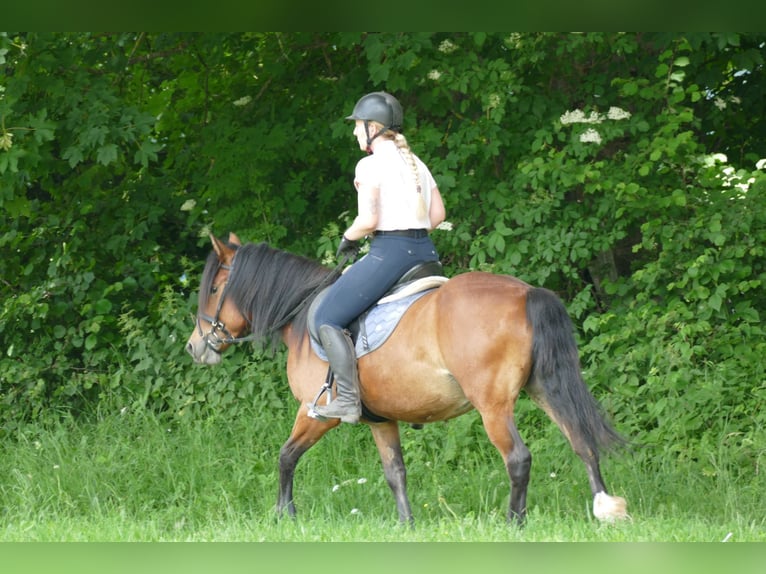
<point>447,47</point>
<point>361,481</point>
<point>760,164</point>
<point>616,113</point>
<point>336,488</point>
<point>590,136</point>
<point>447,226</point>
<point>713,158</point>
<point>573,117</point>
<point>243,101</point>
<point>578,117</point>
<point>719,103</point>
<point>6,141</point>
<point>434,75</point>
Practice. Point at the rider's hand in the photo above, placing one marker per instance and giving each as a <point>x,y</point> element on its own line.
<point>348,248</point>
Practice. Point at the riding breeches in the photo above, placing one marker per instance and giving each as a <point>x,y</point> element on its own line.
<point>367,280</point>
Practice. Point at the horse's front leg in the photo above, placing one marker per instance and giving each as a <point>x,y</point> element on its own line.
<point>389,445</point>
<point>305,434</point>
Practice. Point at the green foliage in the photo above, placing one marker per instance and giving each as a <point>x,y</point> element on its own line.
<point>155,371</point>
<point>620,170</point>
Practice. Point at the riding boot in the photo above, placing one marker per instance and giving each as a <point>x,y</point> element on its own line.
<point>342,356</point>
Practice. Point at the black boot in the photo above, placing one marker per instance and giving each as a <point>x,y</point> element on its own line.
<point>342,356</point>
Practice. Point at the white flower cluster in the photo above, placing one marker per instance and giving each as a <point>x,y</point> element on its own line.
<point>616,113</point>
<point>447,47</point>
<point>434,75</point>
<point>730,177</point>
<point>591,135</point>
<point>6,141</point>
<point>243,101</point>
<point>579,117</point>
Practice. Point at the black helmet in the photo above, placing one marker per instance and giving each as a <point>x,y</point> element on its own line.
<point>379,107</point>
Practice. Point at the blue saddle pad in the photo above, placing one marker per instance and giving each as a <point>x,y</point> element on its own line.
<point>379,323</point>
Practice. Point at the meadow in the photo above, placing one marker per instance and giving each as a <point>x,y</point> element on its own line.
<point>126,474</point>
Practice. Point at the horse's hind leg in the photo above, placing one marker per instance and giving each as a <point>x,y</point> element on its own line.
<point>605,507</point>
<point>389,445</point>
<point>502,431</point>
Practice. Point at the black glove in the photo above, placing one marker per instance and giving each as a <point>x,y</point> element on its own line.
<point>348,248</point>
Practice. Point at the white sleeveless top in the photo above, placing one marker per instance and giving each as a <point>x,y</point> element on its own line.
<point>387,170</point>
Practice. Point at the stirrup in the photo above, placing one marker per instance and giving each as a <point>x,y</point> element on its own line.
<point>324,389</point>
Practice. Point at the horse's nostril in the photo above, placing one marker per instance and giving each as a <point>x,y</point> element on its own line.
<point>190,349</point>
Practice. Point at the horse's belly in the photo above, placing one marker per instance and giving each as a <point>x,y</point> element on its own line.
<point>417,398</point>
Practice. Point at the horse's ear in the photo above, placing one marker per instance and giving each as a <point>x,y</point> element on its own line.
<point>223,251</point>
<point>234,240</point>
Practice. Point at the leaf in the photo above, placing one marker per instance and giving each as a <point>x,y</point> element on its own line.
<point>106,154</point>
<point>147,152</point>
<point>73,155</point>
<point>43,128</point>
<point>630,88</point>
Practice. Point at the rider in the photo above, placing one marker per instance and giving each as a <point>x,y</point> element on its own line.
<point>398,203</point>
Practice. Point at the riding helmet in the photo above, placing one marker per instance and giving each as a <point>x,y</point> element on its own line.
<point>379,107</point>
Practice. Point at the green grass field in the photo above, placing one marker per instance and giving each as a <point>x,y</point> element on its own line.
<point>135,476</point>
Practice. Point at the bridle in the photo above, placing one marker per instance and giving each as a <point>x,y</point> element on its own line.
<point>212,339</point>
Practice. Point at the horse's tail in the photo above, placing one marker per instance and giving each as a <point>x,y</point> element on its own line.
<point>556,382</point>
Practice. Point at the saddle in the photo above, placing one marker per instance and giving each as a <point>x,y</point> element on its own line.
<point>371,328</point>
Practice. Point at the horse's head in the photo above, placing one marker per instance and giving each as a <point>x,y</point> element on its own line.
<point>218,322</point>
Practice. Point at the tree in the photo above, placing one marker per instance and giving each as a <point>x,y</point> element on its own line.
<point>620,170</point>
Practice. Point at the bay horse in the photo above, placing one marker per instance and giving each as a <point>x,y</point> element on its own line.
<point>473,343</point>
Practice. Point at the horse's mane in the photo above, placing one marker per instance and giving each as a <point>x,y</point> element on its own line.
<point>268,285</point>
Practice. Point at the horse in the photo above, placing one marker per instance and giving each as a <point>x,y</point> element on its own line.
<point>472,343</point>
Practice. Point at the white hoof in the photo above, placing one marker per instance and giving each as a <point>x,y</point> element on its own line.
<point>609,508</point>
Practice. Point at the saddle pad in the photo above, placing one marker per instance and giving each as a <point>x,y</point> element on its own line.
<point>379,323</point>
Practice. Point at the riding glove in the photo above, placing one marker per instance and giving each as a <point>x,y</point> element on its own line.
<point>348,247</point>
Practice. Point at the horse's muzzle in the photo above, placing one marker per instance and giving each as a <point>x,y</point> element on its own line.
<point>201,352</point>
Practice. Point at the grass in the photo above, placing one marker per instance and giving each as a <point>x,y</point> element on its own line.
<point>136,476</point>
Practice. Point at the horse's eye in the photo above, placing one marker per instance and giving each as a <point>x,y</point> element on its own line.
<point>214,289</point>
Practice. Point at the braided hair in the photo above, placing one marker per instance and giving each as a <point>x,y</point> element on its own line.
<point>409,158</point>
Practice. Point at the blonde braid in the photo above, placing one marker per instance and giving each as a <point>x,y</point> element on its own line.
<point>409,157</point>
